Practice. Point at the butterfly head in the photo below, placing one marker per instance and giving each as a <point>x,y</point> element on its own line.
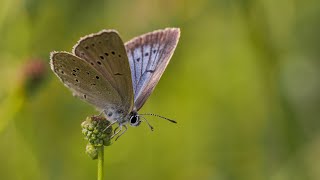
<point>134,119</point>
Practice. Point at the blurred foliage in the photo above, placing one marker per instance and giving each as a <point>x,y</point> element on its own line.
<point>243,85</point>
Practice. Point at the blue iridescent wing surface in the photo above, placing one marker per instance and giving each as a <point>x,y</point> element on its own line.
<point>149,55</point>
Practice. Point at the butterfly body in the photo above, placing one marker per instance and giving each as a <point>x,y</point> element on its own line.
<point>114,77</point>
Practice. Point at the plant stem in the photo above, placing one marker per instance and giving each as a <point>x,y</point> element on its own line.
<point>100,162</point>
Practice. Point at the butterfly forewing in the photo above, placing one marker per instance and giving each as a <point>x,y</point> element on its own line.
<point>105,52</point>
<point>84,81</point>
<point>149,55</point>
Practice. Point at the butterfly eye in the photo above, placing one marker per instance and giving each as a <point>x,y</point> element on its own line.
<point>135,121</point>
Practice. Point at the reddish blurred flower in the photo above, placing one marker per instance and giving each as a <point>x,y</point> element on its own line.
<point>33,73</point>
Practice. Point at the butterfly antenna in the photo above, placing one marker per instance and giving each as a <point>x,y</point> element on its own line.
<point>147,123</point>
<point>150,114</point>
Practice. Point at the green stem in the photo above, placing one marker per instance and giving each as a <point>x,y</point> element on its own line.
<point>100,162</point>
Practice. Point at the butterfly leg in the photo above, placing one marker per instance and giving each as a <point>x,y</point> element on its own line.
<point>117,132</point>
<point>125,129</point>
<point>109,126</point>
<point>100,113</point>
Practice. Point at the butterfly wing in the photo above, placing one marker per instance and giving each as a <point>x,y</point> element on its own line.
<point>105,53</point>
<point>149,56</point>
<point>84,81</point>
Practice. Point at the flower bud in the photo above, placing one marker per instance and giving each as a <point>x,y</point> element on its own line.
<point>94,130</point>
<point>91,151</point>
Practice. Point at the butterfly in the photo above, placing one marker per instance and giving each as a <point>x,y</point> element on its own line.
<point>114,77</point>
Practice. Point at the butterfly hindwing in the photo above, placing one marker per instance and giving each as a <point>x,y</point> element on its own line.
<point>84,81</point>
<point>149,56</point>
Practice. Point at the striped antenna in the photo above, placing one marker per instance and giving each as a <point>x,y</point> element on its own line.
<point>150,114</point>
<point>151,127</point>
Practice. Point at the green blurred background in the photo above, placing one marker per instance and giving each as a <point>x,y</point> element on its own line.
<point>243,85</point>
